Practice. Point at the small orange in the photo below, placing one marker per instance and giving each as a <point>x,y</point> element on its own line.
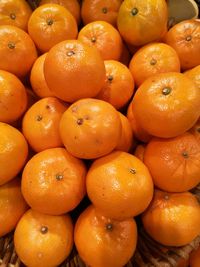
<point>41,124</point>
<point>13,152</point>
<point>153,59</point>
<point>195,258</point>
<point>17,50</point>
<point>196,130</point>
<point>12,206</point>
<point>112,185</point>
<point>37,79</point>
<point>50,24</point>
<point>90,128</point>
<point>172,219</point>
<point>139,152</point>
<point>57,181</point>
<point>194,74</point>
<point>74,70</point>
<point>104,37</point>
<point>15,13</point>
<point>43,240</point>
<point>119,84</point>
<point>103,242</point>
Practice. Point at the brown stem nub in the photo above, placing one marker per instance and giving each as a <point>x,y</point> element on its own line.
<point>93,39</point>
<point>185,154</point>
<point>134,11</point>
<point>39,118</point>
<point>12,16</point>
<point>80,121</point>
<point>133,171</point>
<point>11,45</point>
<point>44,229</point>
<point>166,90</point>
<point>153,61</point>
<point>70,53</point>
<point>49,22</point>
<point>188,38</point>
<point>104,10</point>
<point>110,78</point>
<point>59,176</point>
<point>109,227</point>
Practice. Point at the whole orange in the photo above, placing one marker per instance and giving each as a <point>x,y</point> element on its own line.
<point>194,74</point>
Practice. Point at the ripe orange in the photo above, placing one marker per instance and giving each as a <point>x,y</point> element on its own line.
<point>119,84</point>
<point>13,152</point>
<point>184,37</point>
<point>41,124</point>
<point>139,152</point>
<point>195,258</point>
<point>50,24</point>
<point>53,181</point>
<point>74,70</point>
<point>13,97</point>
<point>43,240</point>
<point>167,104</point>
<point>194,74</point>
<point>104,37</point>
<point>37,79</point>
<point>103,242</point>
<point>15,13</point>
<point>153,59</point>
<point>17,50</point>
<point>90,128</point>
<point>112,185</point>
<point>172,219</point>
<point>195,130</point>
<point>141,22</point>
<point>12,206</point>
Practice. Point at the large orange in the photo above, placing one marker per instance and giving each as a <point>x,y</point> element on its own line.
<point>167,104</point>
<point>53,181</point>
<point>184,37</point>
<point>196,130</point>
<point>90,128</point>
<point>195,258</point>
<point>104,37</point>
<point>41,124</point>
<point>172,219</point>
<point>112,185</point>
<point>17,50</point>
<point>12,206</point>
<point>194,74</point>
<point>13,97</point>
<point>43,240</point>
<point>153,59</point>
<point>119,84</point>
<point>13,152</point>
<point>74,70</point>
<point>174,162</point>
<point>104,242</point>
<point>141,22</point>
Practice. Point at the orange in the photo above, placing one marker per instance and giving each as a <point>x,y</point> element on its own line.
<point>196,130</point>
<point>141,22</point>
<point>194,74</point>
<point>13,97</point>
<point>43,240</point>
<point>184,37</point>
<point>15,12</point>
<point>104,37</point>
<point>167,104</point>
<point>41,124</point>
<point>50,24</point>
<point>13,152</point>
<point>172,219</point>
<point>195,258</point>
<point>174,162</point>
<point>37,79</point>
<point>139,152</point>
<point>103,242</point>
<point>119,84</point>
<point>125,56</point>
<point>17,50</point>
<point>12,206</point>
<point>90,128</point>
<point>153,59</point>
<point>72,5</point>
<point>126,140</point>
<point>106,10</point>
<point>57,181</point>
<point>74,70</point>
<point>112,185</point>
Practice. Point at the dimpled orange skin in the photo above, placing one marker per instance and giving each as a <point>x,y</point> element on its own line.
<point>167,104</point>
<point>119,84</point>
<point>174,162</point>
<point>153,59</point>
<point>195,258</point>
<point>48,248</point>
<point>90,128</point>
<point>194,74</point>
<point>172,219</point>
<point>104,37</point>
<point>50,24</point>
<point>195,130</point>
<point>57,181</point>
<point>139,152</point>
<point>94,238</point>
<point>13,152</point>
<point>74,70</point>
<point>13,97</point>
<point>12,206</point>
<point>38,82</point>
<point>112,185</point>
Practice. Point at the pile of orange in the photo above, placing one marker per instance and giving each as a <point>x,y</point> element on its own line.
<point>98,99</point>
